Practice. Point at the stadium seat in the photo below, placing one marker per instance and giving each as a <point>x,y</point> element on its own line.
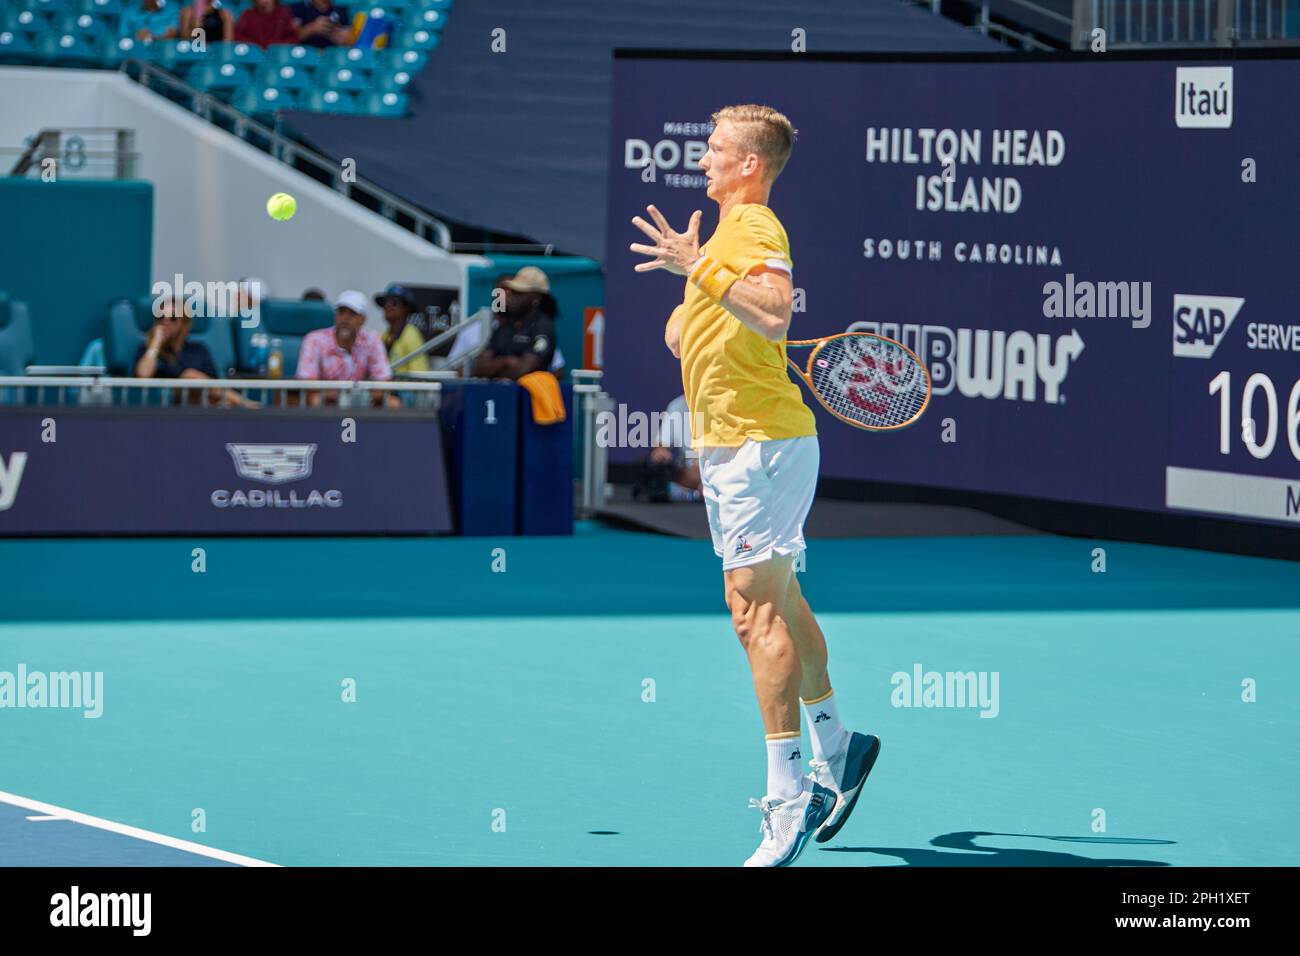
<point>179,55</point>
<point>343,79</point>
<point>433,20</point>
<point>245,54</point>
<point>388,104</point>
<point>283,54</point>
<point>435,4</point>
<point>86,25</point>
<point>283,77</point>
<point>111,8</point>
<point>17,349</point>
<point>114,51</point>
<point>60,48</point>
<point>412,61</point>
<point>395,82</point>
<point>26,22</point>
<point>50,7</point>
<point>351,58</point>
<point>219,77</point>
<point>328,101</point>
<point>258,100</point>
<point>418,40</point>
<point>15,46</point>
<point>398,9</point>
<point>288,320</point>
<point>129,321</point>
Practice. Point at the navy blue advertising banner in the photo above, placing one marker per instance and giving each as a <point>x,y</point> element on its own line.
<point>71,471</point>
<point>1096,258</point>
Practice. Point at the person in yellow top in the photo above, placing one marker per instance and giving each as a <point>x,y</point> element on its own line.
<point>402,337</point>
<point>758,463</point>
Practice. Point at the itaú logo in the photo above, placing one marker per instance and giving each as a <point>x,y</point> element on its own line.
<point>274,465</point>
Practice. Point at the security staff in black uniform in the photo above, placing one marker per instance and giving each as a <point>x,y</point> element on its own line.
<point>523,336</point>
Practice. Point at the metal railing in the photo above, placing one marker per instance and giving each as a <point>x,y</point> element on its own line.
<point>591,400</point>
<point>274,142</point>
<point>985,24</point>
<point>107,390</point>
<point>1181,23</point>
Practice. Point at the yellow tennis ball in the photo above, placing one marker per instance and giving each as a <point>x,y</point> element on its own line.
<point>281,206</point>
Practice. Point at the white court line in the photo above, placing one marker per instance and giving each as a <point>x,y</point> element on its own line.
<point>59,813</point>
<point>42,819</point>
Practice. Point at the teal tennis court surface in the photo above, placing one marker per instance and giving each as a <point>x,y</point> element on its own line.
<point>505,718</point>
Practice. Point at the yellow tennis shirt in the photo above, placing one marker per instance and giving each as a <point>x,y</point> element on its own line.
<point>735,380</point>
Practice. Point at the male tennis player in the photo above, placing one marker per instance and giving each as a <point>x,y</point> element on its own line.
<point>758,461</point>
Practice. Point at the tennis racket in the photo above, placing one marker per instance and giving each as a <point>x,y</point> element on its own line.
<point>865,380</point>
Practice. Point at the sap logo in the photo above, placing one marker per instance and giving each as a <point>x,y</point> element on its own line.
<point>984,363</point>
<point>1203,97</point>
<point>11,476</point>
<point>667,153</point>
<point>1201,322</point>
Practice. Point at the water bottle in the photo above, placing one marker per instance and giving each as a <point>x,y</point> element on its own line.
<point>259,353</point>
<point>275,359</point>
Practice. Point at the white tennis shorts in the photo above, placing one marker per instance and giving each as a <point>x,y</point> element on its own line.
<point>757,496</point>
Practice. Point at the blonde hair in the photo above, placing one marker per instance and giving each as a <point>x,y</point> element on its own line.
<point>761,130</point>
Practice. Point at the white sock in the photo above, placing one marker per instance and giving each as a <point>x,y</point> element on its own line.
<point>784,767</point>
<point>828,735</point>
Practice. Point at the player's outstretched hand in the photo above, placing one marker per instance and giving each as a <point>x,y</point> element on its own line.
<point>675,251</point>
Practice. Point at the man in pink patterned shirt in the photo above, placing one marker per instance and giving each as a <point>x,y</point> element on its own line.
<point>345,353</point>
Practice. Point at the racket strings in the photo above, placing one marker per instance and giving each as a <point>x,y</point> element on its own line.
<point>869,380</point>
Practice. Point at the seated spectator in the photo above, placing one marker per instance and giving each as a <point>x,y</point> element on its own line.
<point>150,20</point>
<point>672,470</point>
<point>402,337</point>
<point>313,295</point>
<point>168,353</point>
<point>345,353</point>
<point>211,17</point>
<point>322,24</point>
<point>523,336</point>
<point>266,22</point>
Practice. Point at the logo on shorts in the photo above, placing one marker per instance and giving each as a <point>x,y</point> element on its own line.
<point>742,546</point>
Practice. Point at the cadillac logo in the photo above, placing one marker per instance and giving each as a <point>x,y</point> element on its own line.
<point>274,464</point>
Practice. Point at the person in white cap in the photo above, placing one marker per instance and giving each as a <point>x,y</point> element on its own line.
<point>345,353</point>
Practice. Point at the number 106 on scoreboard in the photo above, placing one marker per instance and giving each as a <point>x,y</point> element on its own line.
<point>1258,434</point>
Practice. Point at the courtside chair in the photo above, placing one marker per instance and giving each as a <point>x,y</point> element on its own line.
<point>287,320</point>
<point>129,322</point>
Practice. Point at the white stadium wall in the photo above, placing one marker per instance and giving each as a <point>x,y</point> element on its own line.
<point>210,192</point>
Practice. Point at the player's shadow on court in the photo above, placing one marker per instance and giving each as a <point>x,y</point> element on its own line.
<point>973,855</point>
